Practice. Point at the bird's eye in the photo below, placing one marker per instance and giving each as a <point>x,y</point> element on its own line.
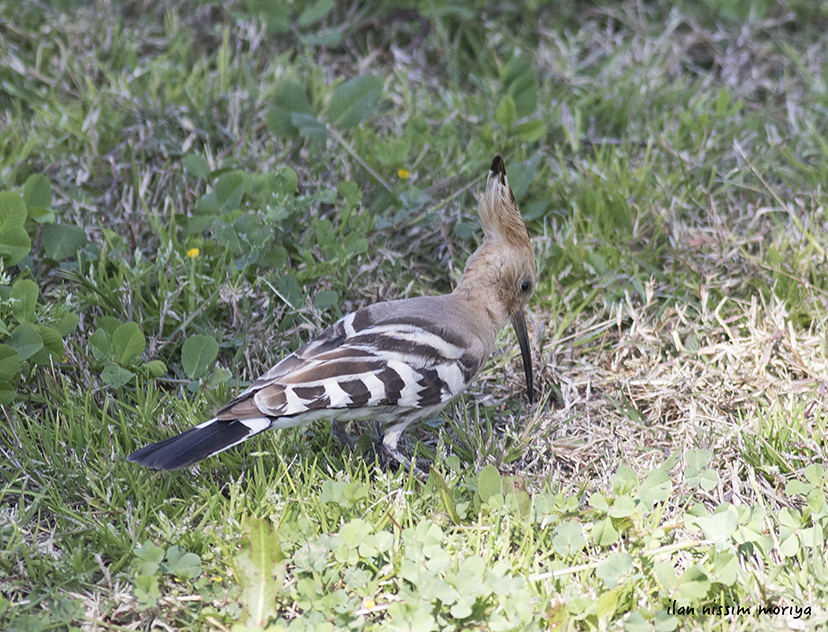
<point>525,285</point>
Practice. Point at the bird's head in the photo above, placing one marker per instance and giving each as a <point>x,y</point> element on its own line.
<point>502,271</point>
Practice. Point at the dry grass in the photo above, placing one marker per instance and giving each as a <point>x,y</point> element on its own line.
<point>664,382</point>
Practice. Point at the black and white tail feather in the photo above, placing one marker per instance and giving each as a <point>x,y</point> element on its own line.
<point>393,362</point>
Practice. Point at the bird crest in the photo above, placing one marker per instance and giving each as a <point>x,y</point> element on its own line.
<point>499,213</point>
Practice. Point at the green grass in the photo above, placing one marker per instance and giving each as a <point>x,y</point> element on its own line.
<point>188,193</point>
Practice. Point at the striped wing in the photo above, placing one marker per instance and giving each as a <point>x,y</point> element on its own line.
<point>382,356</point>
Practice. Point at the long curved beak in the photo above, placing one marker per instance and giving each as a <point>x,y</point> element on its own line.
<point>519,323</point>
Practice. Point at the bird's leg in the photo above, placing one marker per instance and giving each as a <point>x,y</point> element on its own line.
<point>385,451</point>
<point>338,431</point>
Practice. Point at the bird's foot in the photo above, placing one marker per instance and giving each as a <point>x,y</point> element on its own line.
<point>387,454</point>
<point>378,453</point>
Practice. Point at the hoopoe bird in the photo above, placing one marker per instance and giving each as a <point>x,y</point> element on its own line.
<point>393,362</point>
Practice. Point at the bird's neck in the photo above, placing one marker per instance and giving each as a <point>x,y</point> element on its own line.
<point>477,291</point>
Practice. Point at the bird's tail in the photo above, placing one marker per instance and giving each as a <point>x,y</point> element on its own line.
<point>205,440</point>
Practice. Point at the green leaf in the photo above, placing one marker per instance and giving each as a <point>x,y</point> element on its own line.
<point>350,191</point>
<point>623,480</point>
<point>9,363</point>
<point>109,324</point>
<point>325,237</point>
<point>26,341</point>
<point>12,211</point>
<point>622,507</point>
<point>524,91</point>
<point>198,354</point>
<point>14,240</point>
<point>276,15</point>
<point>726,568</point>
<point>149,553</point>
<point>607,605</point>
<point>816,500</point>
<point>568,538</point>
<point>227,236</point>
<point>814,473</point>
<point>100,344</point>
<point>229,189</point>
<point>279,123</point>
<point>260,571</point>
<point>636,622</point>
<point>206,208</point>
<point>604,532</point>
<point>598,501</point>
<point>719,527</point>
<point>694,583</point>
<point>697,460</point>
<point>788,542</point>
<point>67,323</point>
<point>62,241</point>
<point>115,376</point>
<point>505,114</point>
<point>196,165</point>
<point>794,487</point>
<point>183,564</point>
<point>354,100</point>
<point>392,152</point>
<point>275,258</point>
<point>7,393</point>
<point>52,345</point>
<point>790,518</point>
<point>289,98</point>
<point>37,191</point>
<point>655,488</point>
<point>812,537</point>
<point>314,12</point>
<point>40,215</point>
<point>489,483</point>
<point>309,127</point>
<point>665,574</point>
<point>521,175</point>
<point>614,568</point>
<point>128,343</point>
<point>520,84</point>
<point>722,101</point>
<point>709,479</point>
<point>325,299</point>
<point>146,590</point>
<point>288,181</point>
<point>530,131</point>
<point>663,622</point>
<point>24,295</point>
<point>355,244</point>
<point>290,290</point>
<point>514,487</point>
<point>156,368</point>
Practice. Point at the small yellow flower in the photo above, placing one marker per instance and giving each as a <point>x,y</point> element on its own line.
<point>193,253</point>
<point>368,603</point>
<point>403,174</point>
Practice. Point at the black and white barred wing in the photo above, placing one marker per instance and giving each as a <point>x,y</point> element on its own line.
<point>359,364</point>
